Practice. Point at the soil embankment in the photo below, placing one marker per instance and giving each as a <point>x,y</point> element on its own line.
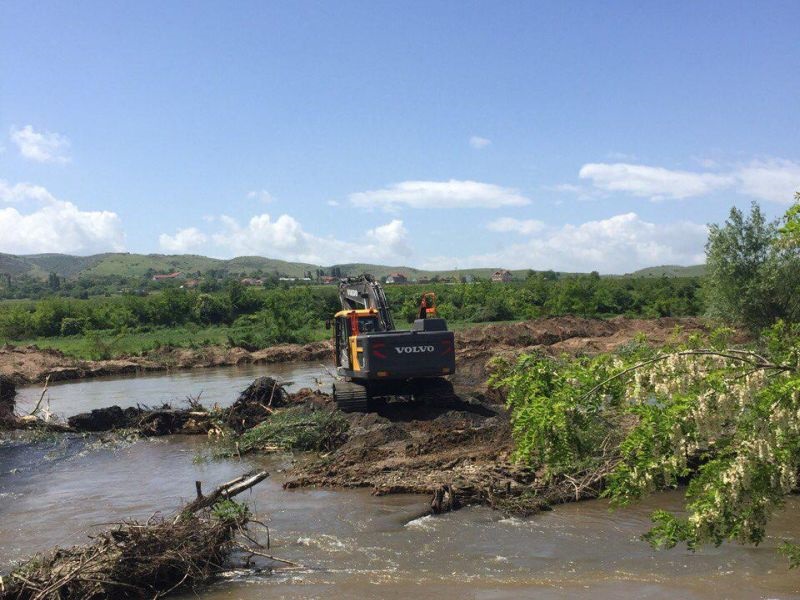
<point>560,335</point>
<point>25,365</point>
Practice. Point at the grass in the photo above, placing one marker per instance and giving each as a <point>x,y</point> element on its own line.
<point>106,344</point>
<point>111,345</point>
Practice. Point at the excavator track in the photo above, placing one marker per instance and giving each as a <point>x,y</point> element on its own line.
<point>350,397</point>
<point>435,392</point>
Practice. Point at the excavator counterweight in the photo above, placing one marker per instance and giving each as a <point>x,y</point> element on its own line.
<point>375,360</point>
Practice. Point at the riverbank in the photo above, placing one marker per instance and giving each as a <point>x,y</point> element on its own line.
<point>475,346</point>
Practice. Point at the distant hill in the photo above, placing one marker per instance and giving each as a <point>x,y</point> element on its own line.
<point>137,265</point>
<point>670,271</point>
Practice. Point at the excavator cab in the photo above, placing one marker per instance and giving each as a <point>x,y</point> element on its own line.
<point>375,360</point>
<point>348,325</point>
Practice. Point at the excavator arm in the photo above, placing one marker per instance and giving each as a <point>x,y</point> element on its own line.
<point>364,292</point>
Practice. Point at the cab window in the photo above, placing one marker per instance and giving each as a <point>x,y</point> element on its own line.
<point>367,324</point>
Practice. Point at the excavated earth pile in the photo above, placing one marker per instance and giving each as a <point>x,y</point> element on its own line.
<point>407,447</point>
<point>560,335</point>
<point>30,364</point>
<point>475,346</point>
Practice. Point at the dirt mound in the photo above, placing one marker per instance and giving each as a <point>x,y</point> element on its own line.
<point>475,346</point>
<point>416,448</point>
<point>32,365</point>
<point>558,335</point>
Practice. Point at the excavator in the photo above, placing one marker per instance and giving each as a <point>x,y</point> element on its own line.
<point>374,360</point>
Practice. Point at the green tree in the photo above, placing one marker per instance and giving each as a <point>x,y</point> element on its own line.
<point>743,269</point>
<point>727,419</point>
<point>789,234</point>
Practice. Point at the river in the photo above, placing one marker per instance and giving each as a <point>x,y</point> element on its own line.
<point>352,544</point>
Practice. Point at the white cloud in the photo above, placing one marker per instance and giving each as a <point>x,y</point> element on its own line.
<point>479,142</point>
<point>285,238</point>
<point>619,244</point>
<point>523,226</point>
<point>53,225</point>
<point>773,180</point>
<point>21,192</point>
<point>40,146</point>
<point>392,238</point>
<point>262,195</point>
<point>333,203</point>
<point>652,182</point>
<point>183,241</point>
<point>440,194</point>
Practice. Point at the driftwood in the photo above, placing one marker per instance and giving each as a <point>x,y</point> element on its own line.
<point>223,492</point>
<point>143,560</point>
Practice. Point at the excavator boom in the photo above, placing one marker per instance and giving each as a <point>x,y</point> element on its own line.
<point>364,292</point>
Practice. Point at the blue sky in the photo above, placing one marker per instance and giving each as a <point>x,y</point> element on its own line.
<point>565,135</point>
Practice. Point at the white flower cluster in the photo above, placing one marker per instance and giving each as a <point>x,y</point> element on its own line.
<point>712,398</point>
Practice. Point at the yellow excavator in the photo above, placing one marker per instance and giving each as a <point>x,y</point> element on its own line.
<point>374,360</point>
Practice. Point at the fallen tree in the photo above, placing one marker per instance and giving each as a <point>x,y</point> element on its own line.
<point>724,420</point>
<point>135,560</point>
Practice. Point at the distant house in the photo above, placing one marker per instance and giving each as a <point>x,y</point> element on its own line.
<point>501,276</point>
<point>168,276</point>
<point>251,281</point>
<point>191,283</point>
<point>397,278</point>
<point>327,279</point>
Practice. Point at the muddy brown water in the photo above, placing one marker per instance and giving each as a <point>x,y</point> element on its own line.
<point>214,386</point>
<point>352,544</point>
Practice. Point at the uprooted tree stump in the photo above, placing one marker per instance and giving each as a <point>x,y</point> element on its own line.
<point>256,404</point>
<point>142,560</point>
<point>444,500</point>
<point>7,394</point>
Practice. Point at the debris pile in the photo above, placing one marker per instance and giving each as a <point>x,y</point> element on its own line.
<point>143,560</point>
<point>256,404</point>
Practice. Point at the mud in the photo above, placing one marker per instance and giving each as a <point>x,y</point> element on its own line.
<point>29,364</point>
<point>144,421</point>
<point>25,365</point>
<point>463,445</point>
<point>561,335</point>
